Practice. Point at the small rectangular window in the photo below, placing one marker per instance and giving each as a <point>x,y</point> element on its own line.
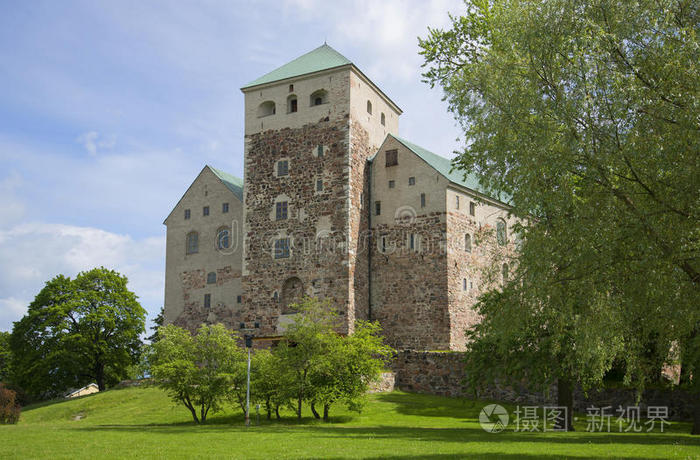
<point>411,181</point>
<point>291,88</point>
<point>205,211</point>
<point>282,248</point>
<point>383,243</point>
<point>238,299</point>
<point>391,184</point>
<point>281,210</point>
<point>377,208</point>
<point>283,168</point>
<point>319,151</point>
<point>293,105</point>
<point>464,284</point>
<point>472,208</point>
<point>412,242</point>
<point>422,200</point>
<point>207,300</point>
<point>392,157</point>
<point>187,214</point>
<point>224,208</point>
<point>319,185</point>
<point>457,201</point>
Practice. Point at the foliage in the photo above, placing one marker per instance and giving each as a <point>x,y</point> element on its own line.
<point>157,324</point>
<point>197,370</point>
<point>76,332</point>
<point>5,355</point>
<point>585,115</point>
<point>322,367</point>
<point>9,408</point>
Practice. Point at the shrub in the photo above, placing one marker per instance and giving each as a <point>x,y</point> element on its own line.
<point>9,409</point>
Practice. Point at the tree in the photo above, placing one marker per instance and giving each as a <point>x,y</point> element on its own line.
<point>197,371</point>
<point>75,332</point>
<point>158,322</point>
<point>5,355</point>
<point>585,115</point>
<point>9,408</point>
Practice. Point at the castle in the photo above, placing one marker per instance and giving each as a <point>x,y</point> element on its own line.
<point>334,205</point>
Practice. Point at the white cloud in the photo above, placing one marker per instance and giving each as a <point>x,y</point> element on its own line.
<point>92,141</point>
<point>32,253</point>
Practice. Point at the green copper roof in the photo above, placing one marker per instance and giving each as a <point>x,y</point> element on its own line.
<point>322,58</point>
<point>444,167</point>
<point>233,183</point>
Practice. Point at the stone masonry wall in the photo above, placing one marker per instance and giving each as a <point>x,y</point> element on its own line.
<point>443,373</point>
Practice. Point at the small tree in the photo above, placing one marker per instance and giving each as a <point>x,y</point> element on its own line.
<point>9,409</point>
<point>197,371</point>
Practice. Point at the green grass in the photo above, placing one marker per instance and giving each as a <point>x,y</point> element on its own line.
<point>142,423</point>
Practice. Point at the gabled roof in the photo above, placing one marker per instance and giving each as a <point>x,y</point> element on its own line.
<point>233,183</point>
<point>322,58</point>
<point>445,168</point>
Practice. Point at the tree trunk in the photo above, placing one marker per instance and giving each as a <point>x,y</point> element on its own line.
<point>313,411</point>
<point>326,409</point>
<point>299,399</point>
<point>696,417</point>
<point>100,375</point>
<point>193,411</point>
<point>565,398</point>
<point>268,407</point>
<point>277,411</point>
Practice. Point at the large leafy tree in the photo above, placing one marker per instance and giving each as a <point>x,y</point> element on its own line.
<point>77,331</point>
<point>197,370</point>
<point>585,113</point>
<point>5,354</point>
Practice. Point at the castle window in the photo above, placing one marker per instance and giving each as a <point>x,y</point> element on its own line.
<point>411,181</point>
<point>369,107</point>
<point>468,242</point>
<point>211,278</point>
<point>319,185</point>
<point>501,232</point>
<point>377,208</point>
<point>291,88</point>
<point>283,168</point>
<point>238,299</point>
<point>207,300</point>
<point>319,151</point>
<point>223,238</point>
<point>187,214</point>
<point>291,104</point>
<point>392,158</point>
<point>192,246</point>
<point>412,241</point>
<point>282,248</point>
<point>464,284</point>
<point>266,109</point>
<point>457,201</point>
<point>224,208</point>
<point>504,272</point>
<point>472,208</point>
<point>391,184</point>
<point>383,119</point>
<point>422,200</point>
<point>383,243</point>
<point>205,211</point>
<point>319,97</point>
<point>281,210</point>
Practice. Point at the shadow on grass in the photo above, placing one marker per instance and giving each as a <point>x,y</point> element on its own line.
<point>433,406</point>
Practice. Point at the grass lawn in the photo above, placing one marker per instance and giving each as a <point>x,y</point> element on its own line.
<point>143,423</point>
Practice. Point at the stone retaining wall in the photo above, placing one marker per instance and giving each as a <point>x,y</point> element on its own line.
<point>443,373</point>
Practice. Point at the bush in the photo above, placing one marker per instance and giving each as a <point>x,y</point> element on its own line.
<point>9,409</point>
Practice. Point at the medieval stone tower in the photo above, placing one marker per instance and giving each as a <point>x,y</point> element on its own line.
<point>310,127</point>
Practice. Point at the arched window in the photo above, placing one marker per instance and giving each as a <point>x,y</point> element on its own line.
<point>292,293</point>
<point>369,107</point>
<point>318,97</point>
<point>291,103</point>
<point>501,232</point>
<point>266,109</point>
<point>383,119</point>
<point>211,278</point>
<point>192,243</point>
<point>468,242</point>
<point>504,272</point>
<point>223,238</point>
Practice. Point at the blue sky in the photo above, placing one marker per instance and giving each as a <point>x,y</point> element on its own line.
<point>108,110</point>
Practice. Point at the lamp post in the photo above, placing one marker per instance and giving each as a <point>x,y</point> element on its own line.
<point>248,345</point>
